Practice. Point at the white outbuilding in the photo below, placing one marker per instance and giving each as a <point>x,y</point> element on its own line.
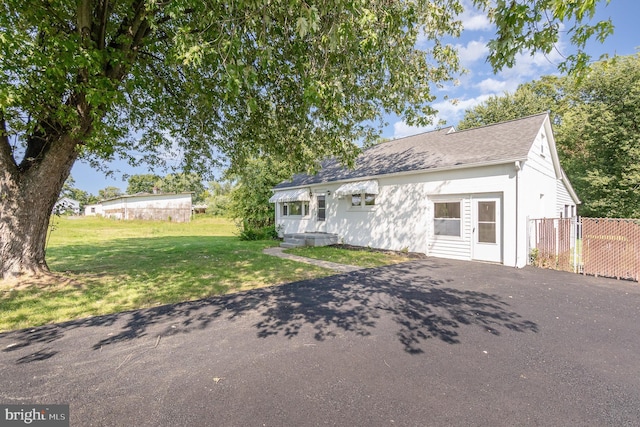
<point>145,206</point>
<point>93,210</point>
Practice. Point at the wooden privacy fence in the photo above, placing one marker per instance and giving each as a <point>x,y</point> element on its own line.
<point>608,247</point>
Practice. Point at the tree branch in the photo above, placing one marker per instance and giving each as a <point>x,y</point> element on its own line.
<point>135,30</point>
<point>7,161</point>
<point>103,11</point>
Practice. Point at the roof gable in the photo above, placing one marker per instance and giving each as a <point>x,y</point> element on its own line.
<point>439,149</point>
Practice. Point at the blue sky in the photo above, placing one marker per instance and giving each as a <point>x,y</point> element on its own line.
<point>473,88</point>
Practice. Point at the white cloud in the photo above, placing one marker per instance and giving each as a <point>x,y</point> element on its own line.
<point>402,129</point>
<point>449,112</point>
<point>472,52</point>
<point>452,111</point>
<point>493,86</point>
<point>528,65</point>
<point>473,20</point>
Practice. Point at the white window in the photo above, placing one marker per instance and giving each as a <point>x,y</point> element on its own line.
<point>362,200</point>
<point>446,221</point>
<point>369,199</point>
<point>299,209</point>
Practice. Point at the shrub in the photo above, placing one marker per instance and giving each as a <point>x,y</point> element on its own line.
<point>262,233</point>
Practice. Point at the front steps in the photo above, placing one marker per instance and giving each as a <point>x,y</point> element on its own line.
<point>297,240</point>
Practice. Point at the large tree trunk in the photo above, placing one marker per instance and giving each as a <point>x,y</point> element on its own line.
<point>30,189</point>
<point>28,193</point>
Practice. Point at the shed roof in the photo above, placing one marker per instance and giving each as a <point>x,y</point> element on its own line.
<point>439,149</point>
<point>143,195</point>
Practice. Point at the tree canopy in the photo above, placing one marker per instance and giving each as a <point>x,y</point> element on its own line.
<point>109,192</point>
<point>183,182</point>
<point>142,183</point>
<point>249,198</point>
<point>151,80</point>
<point>597,130</point>
<point>601,139</point>
<point>300,81</point>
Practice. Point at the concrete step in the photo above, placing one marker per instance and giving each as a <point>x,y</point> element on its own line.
<point>295,240</point>
<point>309,239</point>
<point>291,245</point>
<point>321,242</point>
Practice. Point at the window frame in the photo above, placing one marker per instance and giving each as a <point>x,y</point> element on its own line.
<point>363,199</point>
<point>459,219</point>
<point>323,208</point>
<point>286,208</point>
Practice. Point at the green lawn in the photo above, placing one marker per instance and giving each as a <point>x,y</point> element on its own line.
<point>361,257</point>
<point>105,266</point>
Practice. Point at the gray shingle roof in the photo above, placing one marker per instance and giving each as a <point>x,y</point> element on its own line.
<point>444,148</point>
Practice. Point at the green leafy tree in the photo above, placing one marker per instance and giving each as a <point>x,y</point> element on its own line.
<point>84,197</point>
<point>109,193</point>
<point>295,81</point>
<point>69,190</point>
<point>182,183</point>
<point>546,94</point>
<point>601,139</point>
<point>597,128</point>
<point>217,198</point>
<point>142,183</point>
<point>249,198</point>
<point>534,26</point>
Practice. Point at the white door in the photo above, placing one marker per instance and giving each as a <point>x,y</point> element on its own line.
<point>487,228</point>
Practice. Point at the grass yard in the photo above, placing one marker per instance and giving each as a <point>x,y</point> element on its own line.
<point>361,257</point>
<point>105,266</point>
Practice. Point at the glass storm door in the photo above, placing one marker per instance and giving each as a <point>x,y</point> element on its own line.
<point>487,229</point>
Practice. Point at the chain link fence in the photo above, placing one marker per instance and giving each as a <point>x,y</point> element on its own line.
<point>611,247</point>
<point>552,243</point>
<point>608,247</point>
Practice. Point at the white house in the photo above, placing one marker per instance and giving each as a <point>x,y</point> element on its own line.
<point>455,194</point>
<point>160,207</point>
<point>66,205</point>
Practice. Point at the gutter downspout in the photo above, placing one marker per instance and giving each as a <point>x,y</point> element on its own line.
<point>518,168</point>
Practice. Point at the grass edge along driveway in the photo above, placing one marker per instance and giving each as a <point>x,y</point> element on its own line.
<point>104,266</point>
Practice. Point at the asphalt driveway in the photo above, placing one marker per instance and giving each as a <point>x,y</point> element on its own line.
<point>427,343</point>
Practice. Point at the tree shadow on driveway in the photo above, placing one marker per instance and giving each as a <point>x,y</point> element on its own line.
<point>418,299</point>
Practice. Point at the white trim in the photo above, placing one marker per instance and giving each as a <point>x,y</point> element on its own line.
<point>413,172</point>
<point>447,198</point>
<point>298,195</point>
<point>358,187</point>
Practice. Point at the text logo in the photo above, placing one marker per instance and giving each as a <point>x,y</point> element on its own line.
<point>34,415</point>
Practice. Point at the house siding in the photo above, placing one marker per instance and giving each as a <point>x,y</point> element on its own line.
<point>402,218</point>
<point>538,181</point>
<point>93,210</point>
<point>563,199</point>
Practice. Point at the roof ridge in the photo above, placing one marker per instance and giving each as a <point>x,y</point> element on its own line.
<point>416,134</point>
<point>501,123</point>
<point>433,150</point>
